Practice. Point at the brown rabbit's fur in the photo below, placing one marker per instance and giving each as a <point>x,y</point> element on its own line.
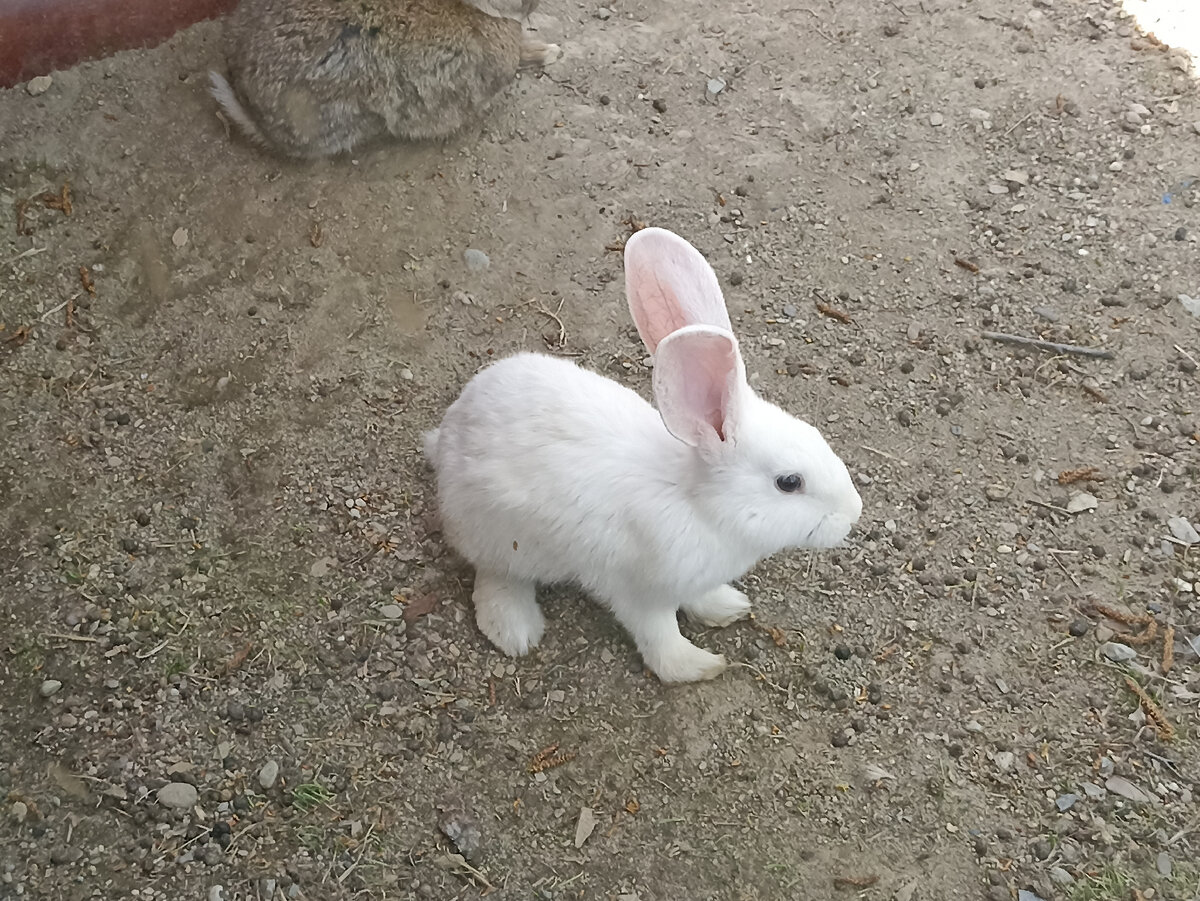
<point>313,78</point>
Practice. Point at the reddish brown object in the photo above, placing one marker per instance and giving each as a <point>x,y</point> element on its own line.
<point>39,36</point>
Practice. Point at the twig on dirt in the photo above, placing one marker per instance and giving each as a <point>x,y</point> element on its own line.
<point>562,329</point>
<point>150,653</point>
<point>1095,394</point>
<point>1016,124</point>
<point>1060,510</point>
<point>1183,352</point>
<point>1169,764</point>
<point>826,310</point>
<point>1050,345</point>
<point>966,264</point>
<point>762,677</point>
<point>362,850</point>
<point>885,455</point>
<point>50,313</point>
<point>32,251</point>
<point>1168,654</point>
<point>461,861</point>
<point>1154,713</point>
<point>1070,575</point>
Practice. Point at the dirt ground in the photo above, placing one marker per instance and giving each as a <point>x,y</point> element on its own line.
<point>238,662</point>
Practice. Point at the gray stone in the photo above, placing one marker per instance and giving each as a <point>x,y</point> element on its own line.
<point>1081,501</point>
<point>39,85</point>
<point>1119,785</point>
<point>1065,802</point>
<point>268,774</point>
<point>462,829</point>
<point>1183,530</point>
<point>476,260</point>
<point>1059,876</point>
<point>1163,864</point>
<point>1117,652</point>
<point>50,688</point>
<point>179,795</point>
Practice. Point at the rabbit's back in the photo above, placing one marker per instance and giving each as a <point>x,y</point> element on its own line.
<point>550,470</point>
<point>321,76</point>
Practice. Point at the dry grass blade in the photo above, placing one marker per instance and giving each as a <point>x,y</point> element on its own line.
<point>60,201</point>
<point>1080,474</point>
<point>548,759</point>
<point>1168,654</point>
<point>1153,712</point>
<point>1146,636</point>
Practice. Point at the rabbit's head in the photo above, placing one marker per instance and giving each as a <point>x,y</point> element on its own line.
<point>772,479</point>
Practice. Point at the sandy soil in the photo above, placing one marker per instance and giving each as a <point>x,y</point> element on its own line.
<point>237,661</point>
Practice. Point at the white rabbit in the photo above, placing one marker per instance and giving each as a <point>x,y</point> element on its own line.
<point>547,472</point>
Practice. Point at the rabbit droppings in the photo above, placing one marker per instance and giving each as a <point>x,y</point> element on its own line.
<point>312,78</point>
<point>547,472</point>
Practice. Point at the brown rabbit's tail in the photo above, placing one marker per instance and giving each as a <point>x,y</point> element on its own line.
<point>223,93</point>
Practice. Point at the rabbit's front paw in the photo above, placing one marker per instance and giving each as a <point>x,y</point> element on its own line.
<point>535,54</point>
<point>507,613</point>
<point>687,663</point>
<point>719,607</point>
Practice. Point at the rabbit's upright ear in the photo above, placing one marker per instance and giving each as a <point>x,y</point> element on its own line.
<point>699,385</point>
<point>669,286</point>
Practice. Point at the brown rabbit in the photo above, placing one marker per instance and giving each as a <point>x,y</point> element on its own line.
<point>313,78</point>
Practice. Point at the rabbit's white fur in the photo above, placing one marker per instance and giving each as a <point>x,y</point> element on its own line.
<point>548,472</point>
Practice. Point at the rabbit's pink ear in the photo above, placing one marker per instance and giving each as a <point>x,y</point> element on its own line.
<point>670,285</point>
<point>698,383</point>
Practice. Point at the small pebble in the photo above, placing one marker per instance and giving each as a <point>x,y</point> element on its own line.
<point>39,85</point>
<point>1163,864</point>
<point>1059,876</point>
<point>1079,627</point>
<point>476,260</point>
<point>50,688</point>
<point>268,774</point>
<point>462,829</point>
<point>179,795</point>
<point>1117,652</point>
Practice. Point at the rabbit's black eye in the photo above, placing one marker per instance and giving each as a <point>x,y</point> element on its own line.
<point>790,483</point>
